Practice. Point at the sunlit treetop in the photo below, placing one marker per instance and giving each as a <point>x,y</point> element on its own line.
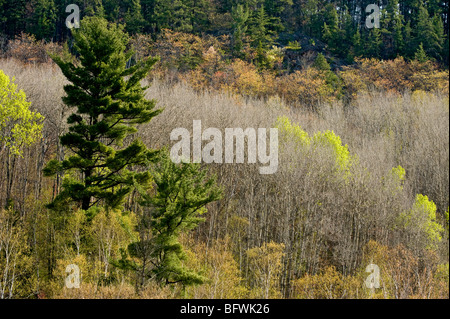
<point>19,126</point>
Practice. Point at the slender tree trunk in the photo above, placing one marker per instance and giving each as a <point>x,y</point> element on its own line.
<point>10,166</point>
<point>86,202</point>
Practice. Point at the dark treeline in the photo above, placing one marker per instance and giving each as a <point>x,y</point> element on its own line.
<point>406,27</point>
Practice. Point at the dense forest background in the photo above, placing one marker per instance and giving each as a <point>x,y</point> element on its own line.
<point>340,25</point>
<point>363,119</point>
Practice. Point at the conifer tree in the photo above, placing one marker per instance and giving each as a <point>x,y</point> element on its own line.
<point>424,31</point>
<point>438,36</point>
<point>320,63</point>
<point>330,31</point>
<point>392,29</point>
<point>199,14</point>
<point>259,32</point>
<point>398,35</point>
<point>240,17</point>
<point>348,31</point>
<point>163,12</point>
<point>182,192</point>
<point>109,102</point>
<point>147,11</point>
<point>357,48</point>
<point>95,7</point>
<point>182,16</point>
<point>311,17</point>
<point>374,43</point>
<point>420,55</point>
<point>408,40</point>
<point>44,19</point>
<point>274,9</point>
<point>445,51</point>
<point>261,37</point>
<point>12,17</point>
<point>326,32</point>
<point>134,21</point>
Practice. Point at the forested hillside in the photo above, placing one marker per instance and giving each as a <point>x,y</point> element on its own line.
<point>259,24</point>
<point>88,184</point>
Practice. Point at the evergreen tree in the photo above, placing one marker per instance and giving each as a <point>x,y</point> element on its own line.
<point>310,18</point>
<point>326,32</point>
<point>113,10</point>
<point>357,48</point>
<point>424,32</point>
<point>12,17</point>
<point>398,35</point>
<point>436,7</point>
<point>260,34</point>
<point>274,10</point>
<point>392,24</point>
<point>331,17</point>
<point>200,10</point>
<point>374,43</point>
<point>182,192</point>
<point>331,32</point>
<point>439,37</point>
<point>320,63</point>
<point>261,58</point>
<point>348,31</point>
<point>420,55</point>
<point>408,50</point>
<point>108,108</point>
<point>163,14</point>
<point>182,16</point>
<point>44,19</point>
<point>93,7</point>
<point>240,17</point>
<point>148,11</point>
<point>445,51</point>
<point>134,21</point>
<point>332,80</point>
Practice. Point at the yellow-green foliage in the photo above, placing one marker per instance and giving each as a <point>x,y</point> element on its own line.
<point>17,277</point>
<point>441,280</point>
<point>422,218</point>
<point>446,218</point>
<point>328,139</point>
<point>109,232</point>
<point>378,254</point>
<point>328,284</point>
<point>217,264</point>
<point>292,132</point>
<point>398,174</point>
<point>18,125</point>
<point>275,57</point>
<point>428,207</point>
<point>265,264</point>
